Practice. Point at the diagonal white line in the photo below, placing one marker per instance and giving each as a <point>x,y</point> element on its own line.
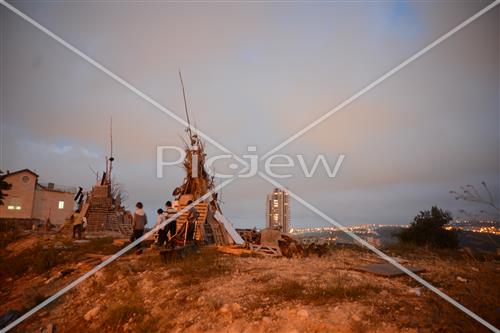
<point>109,260</point>
<point>381,79</point>
<point>120,80</point>
<point>383,255</point>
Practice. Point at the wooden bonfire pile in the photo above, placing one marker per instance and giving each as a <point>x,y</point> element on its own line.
<point>102,206</point>
<point>211,226</point>
<point>103,211</point>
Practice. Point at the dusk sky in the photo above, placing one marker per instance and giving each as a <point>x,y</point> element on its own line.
<point>255,74</point>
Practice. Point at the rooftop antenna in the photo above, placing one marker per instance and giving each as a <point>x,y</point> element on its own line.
<point>111,158</point>
<point>186,109</point>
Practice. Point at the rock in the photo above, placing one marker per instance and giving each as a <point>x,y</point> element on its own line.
<point>157,311</point>
<point>51,328</point>
<point>91,314</point>
<point>230,308</point>
<point>461,279</point>
<point>52,279</point>
<point>267,320</point>
<point>174,271</point>
<point>225,309</point>
<point>303,314</point>
<point>415,291</point>
<point>355,317</point>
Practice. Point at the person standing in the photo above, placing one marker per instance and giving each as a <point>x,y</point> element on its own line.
<point>162,232</point>
<point>191,222</point>
<point>139,223</point>
<point>77,225</point>
<point>171,227</point>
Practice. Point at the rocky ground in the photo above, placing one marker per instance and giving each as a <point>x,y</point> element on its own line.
<point>214,292</point>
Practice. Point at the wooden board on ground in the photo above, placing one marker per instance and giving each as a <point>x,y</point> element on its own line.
<point>236,250</point>
<point>266,250</point>
<point>386,269</point>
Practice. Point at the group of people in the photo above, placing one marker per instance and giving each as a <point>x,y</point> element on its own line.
<point>169,230</point>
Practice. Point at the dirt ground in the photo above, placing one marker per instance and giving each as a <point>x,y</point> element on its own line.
<point>213,292</point>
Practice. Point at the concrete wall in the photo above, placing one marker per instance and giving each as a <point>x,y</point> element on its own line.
<point>20,195</point>
<point>47,205</point>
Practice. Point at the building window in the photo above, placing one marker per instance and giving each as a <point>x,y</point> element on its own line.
<point>61,204</point>
<point>15,204</point>
<point>25,179</point>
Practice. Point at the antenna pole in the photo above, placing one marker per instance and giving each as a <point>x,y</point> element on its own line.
<point>111,158</point>
<point>185,107</point>
<point>111,134</point>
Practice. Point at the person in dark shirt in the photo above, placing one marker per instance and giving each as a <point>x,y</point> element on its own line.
<point>170,211</point>
<point>138,223</point>
<point>191,221</point>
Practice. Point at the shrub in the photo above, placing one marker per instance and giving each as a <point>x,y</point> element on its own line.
<point>122,312</point>
<point>427,229</point>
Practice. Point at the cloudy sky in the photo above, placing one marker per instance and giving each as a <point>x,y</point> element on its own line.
<point>255,74</point>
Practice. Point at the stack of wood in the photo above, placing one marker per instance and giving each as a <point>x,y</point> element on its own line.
<point>211,226</point>
<point>272,242</point>
<point>103,214</point>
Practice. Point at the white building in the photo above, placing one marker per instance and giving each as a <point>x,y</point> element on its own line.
<point>29,199</point>
<point>278,210</point>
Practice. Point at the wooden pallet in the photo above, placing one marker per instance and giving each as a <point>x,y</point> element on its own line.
<point>267,250</point>
<point>218,233</point>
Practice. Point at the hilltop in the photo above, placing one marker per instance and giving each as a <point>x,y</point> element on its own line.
<point>214,292</point>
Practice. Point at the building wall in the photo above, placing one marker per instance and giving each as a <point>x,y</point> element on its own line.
<point>19,202</point>
<point>47,205</point>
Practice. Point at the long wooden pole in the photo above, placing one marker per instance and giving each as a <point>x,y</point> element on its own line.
<point>186,108</point>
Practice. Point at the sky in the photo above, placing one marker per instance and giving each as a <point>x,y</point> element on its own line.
<point>255,74</point>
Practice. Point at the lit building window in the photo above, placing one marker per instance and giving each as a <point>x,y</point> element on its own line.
<point>61,204</point>
<point>15,204</point>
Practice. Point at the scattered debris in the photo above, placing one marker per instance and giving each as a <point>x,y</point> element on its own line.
<point>92,313</point>
<point>51,328</point>
<point>236,250</point>
<point>9,317</point>
<point>415,291</point>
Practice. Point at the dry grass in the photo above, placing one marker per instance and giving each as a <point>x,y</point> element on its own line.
<point>202,265</point>
<point>121,313</point>
<point>46,255</point>
<point>320,293</point>
<point>37,259</point>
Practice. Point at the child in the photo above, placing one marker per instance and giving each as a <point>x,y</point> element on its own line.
<point>172,225</point>
<point>162,233</point>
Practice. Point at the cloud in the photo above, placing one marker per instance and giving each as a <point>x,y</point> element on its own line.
<point>429,128</point>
